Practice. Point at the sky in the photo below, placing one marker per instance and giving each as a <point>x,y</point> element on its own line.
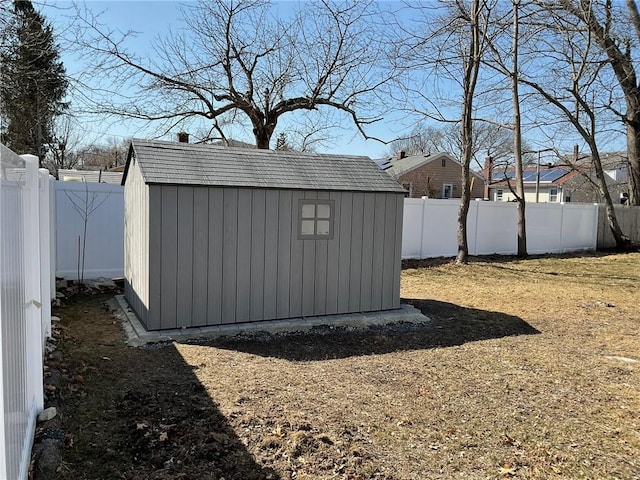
<point>153,18</point>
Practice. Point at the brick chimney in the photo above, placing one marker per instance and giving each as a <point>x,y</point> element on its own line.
<point>183,137</point>
<point>487,171</point>
<point>401,154</point>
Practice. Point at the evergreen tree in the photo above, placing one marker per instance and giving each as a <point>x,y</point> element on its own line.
<point>282,143</point>
<point>33,82</point>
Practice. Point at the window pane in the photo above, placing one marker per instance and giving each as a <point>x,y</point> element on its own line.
<point>323,227</point>
<point>324,211</point>
<point>308,210</point>
<point>306,227</point>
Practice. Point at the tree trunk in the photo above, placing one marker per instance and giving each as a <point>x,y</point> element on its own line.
<point>623,243</point>
<point>262,131</point>
<point>633,157</point>
<point>263,139</point>
<point>469,85</point>
<point>517,138</point>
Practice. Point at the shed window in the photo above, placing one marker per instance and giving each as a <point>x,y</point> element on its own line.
<point>316,219</point>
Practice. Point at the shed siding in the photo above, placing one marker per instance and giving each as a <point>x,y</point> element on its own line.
<point>201,252</point>
<point>169,256</point>
<point>155,255</point>
<point>232,255</point>
<point>213,220</point>
<point>137,242</point>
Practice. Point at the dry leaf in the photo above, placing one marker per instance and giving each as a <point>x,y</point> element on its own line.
<point>164,436</point>
<point>507,470</point>
<point>404,422</point>
<point>141,426</point>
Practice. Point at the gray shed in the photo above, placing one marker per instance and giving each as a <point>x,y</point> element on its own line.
<point>217,235</point>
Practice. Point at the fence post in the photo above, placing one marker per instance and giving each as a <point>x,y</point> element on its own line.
<point>45,254</point>
<point>422,226</point>
<point>33,300</point>
<point>52,236</point>
<point>596,223</point>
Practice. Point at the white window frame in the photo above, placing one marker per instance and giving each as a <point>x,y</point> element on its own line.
<point>444,189</point>
<point>553,197</point>
<point>315,219</point>
<point>499,195</point>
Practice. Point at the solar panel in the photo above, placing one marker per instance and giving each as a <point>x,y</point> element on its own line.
<point>546,175</point>
<point>552,174</point>
<point>384,163</point>
<point>503,175</point>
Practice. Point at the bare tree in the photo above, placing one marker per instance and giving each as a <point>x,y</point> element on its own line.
<point>471,69</point>
<point>240,61</point>
<point>507,63</point>
<point>490,139</point>
<point>109,154</point>
<point>440,52</point>
<point>601,17</point>
<point>571,87</point>
<point>62,151</point>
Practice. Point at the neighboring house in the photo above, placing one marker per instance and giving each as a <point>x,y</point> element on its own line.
<point>437,175</point>
<point>95,176</point>
<point>616,165</point>
<point>551,184</point>
<point>219,235</point>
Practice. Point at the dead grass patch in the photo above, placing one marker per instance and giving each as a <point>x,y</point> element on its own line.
<point>527,370</point>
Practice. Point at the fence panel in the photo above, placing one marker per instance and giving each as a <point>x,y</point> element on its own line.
<point>496,231</point>
<point>580,227</point>
<point>21,332</point>
<point>440,225</point>
<point>430,228</point>
<point>629,221</point>
<point>544,227</point>
<point>89,221</point>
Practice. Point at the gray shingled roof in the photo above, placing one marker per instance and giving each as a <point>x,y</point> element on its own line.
<point>193,164</point>
<point>397,167</point>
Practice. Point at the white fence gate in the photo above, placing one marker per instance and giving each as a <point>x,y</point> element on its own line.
<point>430,228</point>
<point>25,316</point>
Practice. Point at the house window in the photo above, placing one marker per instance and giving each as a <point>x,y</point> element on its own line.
<point>315,219</point>
<point>409,190</point>
<point>444,162</point>
<point>499,195</point>
<point>447,190</point>
<point>553,195</point>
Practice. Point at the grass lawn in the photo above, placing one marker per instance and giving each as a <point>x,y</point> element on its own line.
<point>528,369</point>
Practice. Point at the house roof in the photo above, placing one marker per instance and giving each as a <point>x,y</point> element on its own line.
<point>90,176</point>
<point>196,164</point>
<point>556,175</point>
<point>397,167</point>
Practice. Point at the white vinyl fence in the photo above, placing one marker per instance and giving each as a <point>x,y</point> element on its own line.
<point>430,228</point>
<point>25,300</point>
<point>89,230</point>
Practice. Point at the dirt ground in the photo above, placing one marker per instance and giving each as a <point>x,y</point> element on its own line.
<point>528,369</point>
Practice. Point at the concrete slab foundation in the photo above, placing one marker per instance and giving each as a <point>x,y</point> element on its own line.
<point>137,335</point>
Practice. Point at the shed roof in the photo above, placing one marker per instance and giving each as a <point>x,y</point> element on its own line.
<point>211,165</point>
